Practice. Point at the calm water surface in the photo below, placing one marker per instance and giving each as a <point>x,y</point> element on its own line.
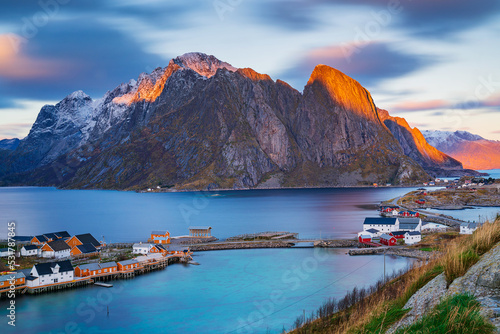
<point>129,216</point>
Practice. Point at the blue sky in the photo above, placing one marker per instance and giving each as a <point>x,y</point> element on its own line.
<point>433,62</point>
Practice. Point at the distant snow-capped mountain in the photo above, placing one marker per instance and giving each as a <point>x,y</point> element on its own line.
<point>472,150</point>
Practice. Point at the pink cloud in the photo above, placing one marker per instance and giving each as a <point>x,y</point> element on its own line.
<point>15,65</point>
<point>420,105</point>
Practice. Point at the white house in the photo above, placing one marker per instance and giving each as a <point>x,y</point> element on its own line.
<point>50,273</point>
<point>56,249</point>
<point>410,224</point>
<point>468,228</point>
<point>412,237</point>
<point>141,248</point>
<point>383,225</point>
<point>29,250</point>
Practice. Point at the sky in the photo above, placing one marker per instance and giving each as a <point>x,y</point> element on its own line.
<point>434,63</point>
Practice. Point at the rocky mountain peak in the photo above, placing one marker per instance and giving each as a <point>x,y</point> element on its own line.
<point>203,64</point>
<point>344,91</point>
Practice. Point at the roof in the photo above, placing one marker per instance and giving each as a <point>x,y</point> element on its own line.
<point>22,238</point>
<point>399,233</point>
<point>62,234</point>
<point>142,245</point>
<point>88,238</point>
<point>408,226</point>
<point>108,264</point>
<point>386,236</point>
<point>30,278</point>
<point>380,221</point>
<point>30,247</point>
<point>363,236</point>
<point>41,238</point>
<point>372,230</point>
<point>14,275</point>
<point>469,225</point>
<point>413,233</point>
<point>200,227</point>
<point>87,248</point>
<point>90,266</point>
<point>411,220</point>
<point>126,262</point>
<point>58,245</point>
<point>160,247</point>
<point>46,268</point>
<point>159,232</point>
<point>50,236</point>
<point>4,250</point>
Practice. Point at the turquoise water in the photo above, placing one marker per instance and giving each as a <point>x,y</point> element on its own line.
<point>129,216</point>
<point>243,291</point>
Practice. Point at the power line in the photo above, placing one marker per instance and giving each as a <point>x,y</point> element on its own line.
<point>301,299</point>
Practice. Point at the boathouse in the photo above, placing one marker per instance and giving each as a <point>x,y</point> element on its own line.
<point>50,273</point>
<point>29,250</point>
<point>364,237</point>
<point>15,278</point>
<point>200,231</point>
<point>412,237</point>
<point>158,248</point>
<point>84,250</point>
<point>384,225</point>
<point>56,249</point>
<point>85,270</point>
<point>4,252</point>
<point>109,267</point>
<point>128,265</point>
<point>409,214</point>
<point>81,239</point>
<point>387,240</point>
<point>160,237</point>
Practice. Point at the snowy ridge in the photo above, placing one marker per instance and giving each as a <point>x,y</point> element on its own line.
<point>437,137</point>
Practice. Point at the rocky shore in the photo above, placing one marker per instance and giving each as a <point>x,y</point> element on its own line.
<point>405,252</point>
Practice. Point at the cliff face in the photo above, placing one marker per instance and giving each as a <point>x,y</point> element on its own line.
<point>416,146</point>
<point>200,123</point>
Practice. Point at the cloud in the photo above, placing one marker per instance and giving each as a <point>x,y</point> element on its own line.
<point>420,105</point>
<point>16,65</point>
<point>368,63</point>
<point>14,130</point>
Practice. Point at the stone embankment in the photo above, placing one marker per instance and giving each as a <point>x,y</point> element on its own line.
<point>240,245</point>
<point>336,243</point>
<point>405,252</point>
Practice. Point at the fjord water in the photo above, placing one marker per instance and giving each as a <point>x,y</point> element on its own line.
<point>129,216</point>
<point>240,291</point>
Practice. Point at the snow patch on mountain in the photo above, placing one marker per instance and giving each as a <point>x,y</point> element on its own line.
<point>438,137</point>
<point>204,65</point>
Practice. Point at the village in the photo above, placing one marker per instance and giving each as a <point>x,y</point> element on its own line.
<point>54,256</point>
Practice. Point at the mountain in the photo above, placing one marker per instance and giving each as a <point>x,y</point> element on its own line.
<point>200,123</point>
<point>415,145</point>
<point>9,144</point>
<point>472,150</point>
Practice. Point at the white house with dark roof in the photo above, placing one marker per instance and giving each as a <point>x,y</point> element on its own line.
<point>141,248</point>
<point>468,228</point>
<point>50,273</point>
<point>412,237</point>
<point>56,249</point>
<point>383,225</point>
<point>410,224</point>
<point>30,250</point>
